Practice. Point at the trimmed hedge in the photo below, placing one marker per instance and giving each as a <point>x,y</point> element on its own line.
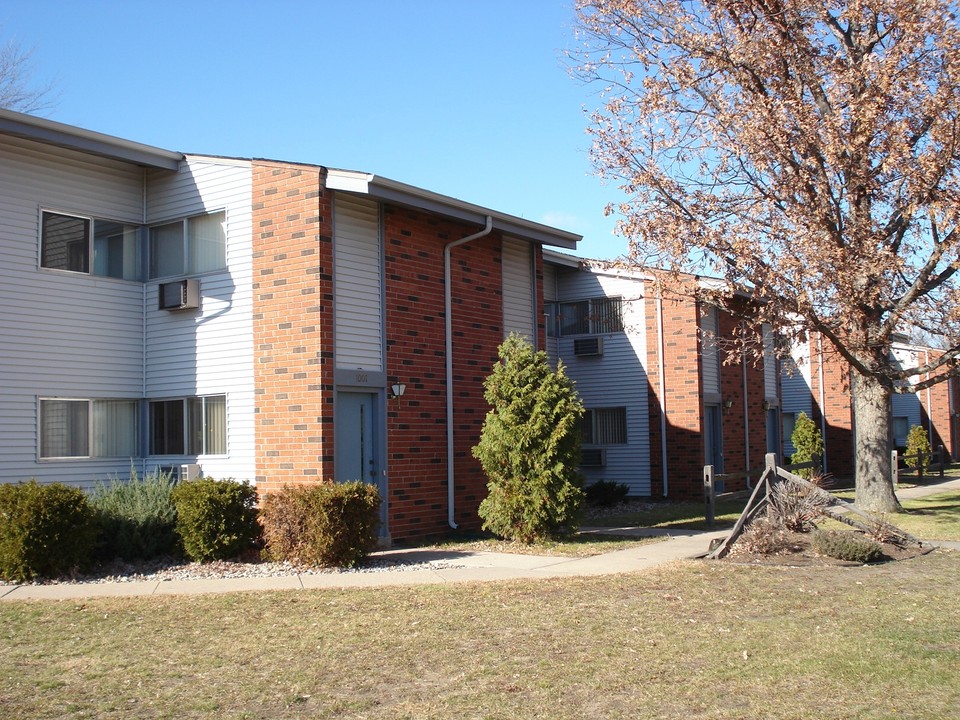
<point>849,546</point>
<point>331,525</point>
<point>216,519</point>
<point>138,517</point>
<point>46,530</point>
<point>606,493</point>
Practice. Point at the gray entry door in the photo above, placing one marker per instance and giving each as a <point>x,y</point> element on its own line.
<point>356,441</point>
<point>713,437</point>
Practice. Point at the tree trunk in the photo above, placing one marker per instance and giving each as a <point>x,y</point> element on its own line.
<point>871,415</point>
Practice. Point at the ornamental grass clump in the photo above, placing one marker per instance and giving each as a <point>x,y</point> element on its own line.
<point>216,519</point>
<point>137,517</point>
<point>796,507</point>
<point>330,525</point>
<point>46,530</point>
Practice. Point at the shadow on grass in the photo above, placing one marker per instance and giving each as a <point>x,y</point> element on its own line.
<point>681,516</point>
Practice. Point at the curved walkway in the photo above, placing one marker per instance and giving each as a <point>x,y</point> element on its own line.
<point>434,566</point>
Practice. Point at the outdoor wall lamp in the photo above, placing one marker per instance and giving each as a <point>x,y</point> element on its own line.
<point>397,390</point>
<point>767,405</point>
<point>727,404</point>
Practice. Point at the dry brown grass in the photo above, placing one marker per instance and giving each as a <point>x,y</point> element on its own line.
<point>692,640</point>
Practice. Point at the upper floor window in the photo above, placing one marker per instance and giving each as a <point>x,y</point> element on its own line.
<point>586,317</point>
<point>88,245</point>
<point>71,428</point>
<point>187,247</point>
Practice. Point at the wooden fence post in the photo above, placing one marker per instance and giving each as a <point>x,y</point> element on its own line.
<point>709,494</point>
<point>894,468</point>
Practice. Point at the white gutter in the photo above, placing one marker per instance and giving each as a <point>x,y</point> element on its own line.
<point>448,339</point>
<point>746,415</point>
<point>663,396</point>
<point>823,400</point>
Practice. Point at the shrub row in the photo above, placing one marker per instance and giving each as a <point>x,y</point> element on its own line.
<point>50,530</point>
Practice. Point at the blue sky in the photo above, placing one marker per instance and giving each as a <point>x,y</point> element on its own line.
<point>469,98</point>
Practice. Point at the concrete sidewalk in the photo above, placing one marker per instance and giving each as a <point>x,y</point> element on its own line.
<point>432,567</point>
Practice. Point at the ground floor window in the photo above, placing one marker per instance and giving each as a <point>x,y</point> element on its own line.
<point>604,426</point>
<point>71,428</point>
<point>189,426</point>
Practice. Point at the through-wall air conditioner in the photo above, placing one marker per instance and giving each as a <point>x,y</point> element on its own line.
<point>180,294</point>
<point>593,457</point>
<point>189,471</point>
<point>584,347</point>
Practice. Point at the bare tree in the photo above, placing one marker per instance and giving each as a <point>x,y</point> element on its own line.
<point>17,90</point>
<point>806,151</point>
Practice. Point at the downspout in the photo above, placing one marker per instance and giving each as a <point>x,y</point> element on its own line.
<point>448,348</point>
<point>746,415</point>
<point>663,396</point>
<point>823,400</point>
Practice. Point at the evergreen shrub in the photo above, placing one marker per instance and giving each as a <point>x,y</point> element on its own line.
<point>807,442</point>
<point>330,525</point>
<point>216,519</point>
<point>606,493</point>
<point>137,518</point>
<point>530,447</point>
<point>918,449</point>
<point>46,530</point>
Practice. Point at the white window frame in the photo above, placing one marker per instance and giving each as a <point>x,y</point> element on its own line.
<point>90,255</point>
<point>186,246</point>
<point>601,312</point>
<point>91,428</point>
<point>188,429</point>
<point>600,433</point>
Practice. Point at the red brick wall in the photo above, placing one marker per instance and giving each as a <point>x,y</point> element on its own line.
<point>936,409</point>
<point>416,432</point>
<point>292,324</point>
<point>680,396</point>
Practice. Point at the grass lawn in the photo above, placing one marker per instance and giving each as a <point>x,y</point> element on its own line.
<point>692,640</point>
<point>679,515</point>
<point>585,545</point>
<point>934,517</point>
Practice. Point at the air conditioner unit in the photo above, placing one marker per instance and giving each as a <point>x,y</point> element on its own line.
<point>190,471</point>
<point>588,346</point>
<point>180,294</point>
<point>593,457</point>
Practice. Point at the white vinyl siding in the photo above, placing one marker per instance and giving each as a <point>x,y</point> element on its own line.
<point>208,351</point>
<point>796,394</point>
<point>518,309</point>
<point>769,364</point>
<point>358,289</point>
<point>709,351</point>
<point>617,378</point>
<point>65,334</point>
<point>549,300</point>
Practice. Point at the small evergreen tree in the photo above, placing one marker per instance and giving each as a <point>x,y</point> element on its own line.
<point>807,443</point>
<point>918,449</point>
<point>530,446</point>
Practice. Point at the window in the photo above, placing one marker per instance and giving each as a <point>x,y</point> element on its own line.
<point>789,422</point>
<point>190,246</point>
<point>67,243</point>
<point>88,428</point>
<point>901,428</point>
<point>189,426</point>
<point>604,426</point>
<point>593,316</point>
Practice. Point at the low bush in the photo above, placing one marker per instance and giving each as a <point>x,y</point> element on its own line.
<point>844,545</point>
<point>606,493</point>
<point>763,536</point>
<point>331,525</point>
<point>137,517</point>
<point>45,530</point>
<point>216,519</point>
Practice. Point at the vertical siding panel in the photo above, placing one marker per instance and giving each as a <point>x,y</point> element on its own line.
<point>358,285</point>
<point>710,351</point>
<point>517,288</point>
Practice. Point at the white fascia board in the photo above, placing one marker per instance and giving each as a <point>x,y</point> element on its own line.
<point>87,141</point>
<point>399,193</point>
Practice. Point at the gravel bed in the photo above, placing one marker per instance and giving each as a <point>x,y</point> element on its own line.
<point>160,570</point>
